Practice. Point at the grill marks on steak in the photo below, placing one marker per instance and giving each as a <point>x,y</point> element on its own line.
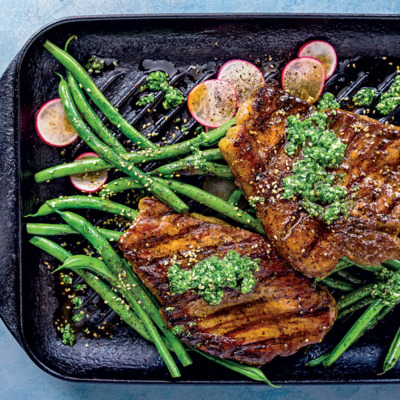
<point>255,151</point>
<point>283,313</point>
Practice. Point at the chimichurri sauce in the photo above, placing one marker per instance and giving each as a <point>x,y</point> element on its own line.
<point>320,195</point>
<point>210,276</point>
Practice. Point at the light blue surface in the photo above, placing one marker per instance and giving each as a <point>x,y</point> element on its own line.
<point>20,378</point>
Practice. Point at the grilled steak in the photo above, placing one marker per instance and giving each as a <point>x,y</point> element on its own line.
<point>283,313</point>
<point>255,151</point>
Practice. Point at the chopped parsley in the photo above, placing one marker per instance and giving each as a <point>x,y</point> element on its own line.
<point>210,276</point>
<point>146,100</point>
<point>94,65</point>
<point>253,200</point>
<point>78,317</point>
<point>390,99</point>
<point>77,302</point>
<point>178,329</point>
<point>364,97</point>
<point>80,287</point>
<point>67,279</point>
<point>67,335</point>
<point>310,179</point>
<point>327,101</point>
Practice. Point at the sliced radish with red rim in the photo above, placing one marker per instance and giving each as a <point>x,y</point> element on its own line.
<point>304,78</point>
<point>244,76</point>
<point>212,102</point>
<point>89,182</point>
<point>322,51</point>
<point>53,126</point>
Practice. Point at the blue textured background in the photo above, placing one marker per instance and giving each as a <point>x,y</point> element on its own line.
<point>19,377</point>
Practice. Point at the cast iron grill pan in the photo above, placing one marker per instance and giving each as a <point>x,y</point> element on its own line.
<point>30,299</point>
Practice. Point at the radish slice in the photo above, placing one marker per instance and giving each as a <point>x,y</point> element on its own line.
<point>89,182</point>
<point>322,51</point>
<point>212,102</point>
<point>304,78</point>
<point>245,77</point>
<point>53,126</point>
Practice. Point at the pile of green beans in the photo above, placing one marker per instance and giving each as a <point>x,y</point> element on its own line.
<point>160,153</point>
<point>82,264</point>
<point>105,291</point>
<point>105,152</point>
<point>97,96</point>
<point>123,281</point>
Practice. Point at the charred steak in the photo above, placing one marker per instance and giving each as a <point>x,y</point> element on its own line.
<point>255,152</point>
<point>283,313</point>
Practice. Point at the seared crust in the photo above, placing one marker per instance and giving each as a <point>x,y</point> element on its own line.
<point>254,150</point>
<point>284,312</point>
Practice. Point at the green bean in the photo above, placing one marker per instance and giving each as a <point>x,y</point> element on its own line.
<point>355,296</point>
<point>215,203</point>
<point>62,229</point>
<point>372,311</point>
<point>206,155</point>
<point>235,197</point>
<point>117,267</point>
<point>78,202</point>
<point>206,168</point>
<point>337,284</point>
<point>91,117</point>
<point>369,268</point>
<point>160,191</point>
<point>162,153</point>
<point>118,185</point>
<point>393,354</point>
<point>251,372</point>
<point>317,361</point>
<point>355,307</point>
<point>198,163</point>
<point>97,96</point>
<point>395,264</point>
<point>349,277</point>
<point>203,197</point>
<point>102,289</point>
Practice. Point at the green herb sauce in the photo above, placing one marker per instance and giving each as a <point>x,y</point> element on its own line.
<point>155,81</point>
<point>391,99</point>
<point>158,80</point>
<point>173,97</point>
<point>77,317</point>
<point>327,101</point>
<point>364,97</point>
<point>209,277</point>
<point>146,100</point>
<point>310,179</point>
<point>387,286</point>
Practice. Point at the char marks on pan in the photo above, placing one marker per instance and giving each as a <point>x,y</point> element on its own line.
<point>255,151</point>
<point>282,314</point>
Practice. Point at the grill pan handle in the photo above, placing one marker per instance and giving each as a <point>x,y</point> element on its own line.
<point>9,214</point>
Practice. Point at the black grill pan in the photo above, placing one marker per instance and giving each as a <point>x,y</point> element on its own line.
<point>29,299</point>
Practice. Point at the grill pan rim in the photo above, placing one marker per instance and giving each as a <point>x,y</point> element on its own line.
<point>17,126</point>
